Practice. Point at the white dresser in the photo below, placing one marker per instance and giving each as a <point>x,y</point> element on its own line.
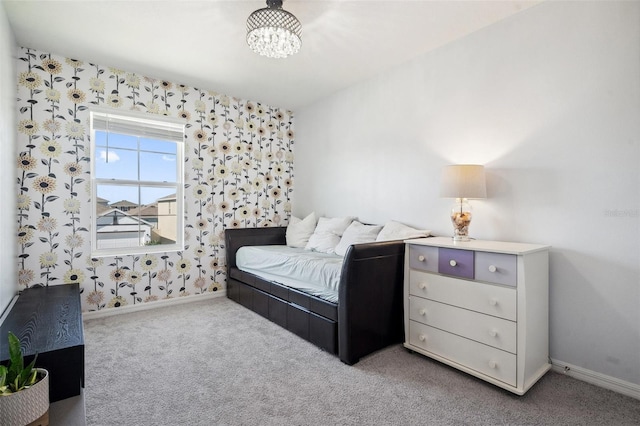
<point>481,307</point>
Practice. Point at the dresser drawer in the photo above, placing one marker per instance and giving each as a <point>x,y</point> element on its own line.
<point>423,258</point>
<point>458,263</point>
<point>492,331</point>
<point>484,298</point>
<point>490,361</point>
<point>496,268</point>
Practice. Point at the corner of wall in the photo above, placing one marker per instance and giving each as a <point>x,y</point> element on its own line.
<point>9,282</point>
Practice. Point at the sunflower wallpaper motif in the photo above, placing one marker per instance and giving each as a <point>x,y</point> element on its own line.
<point>238,173</point>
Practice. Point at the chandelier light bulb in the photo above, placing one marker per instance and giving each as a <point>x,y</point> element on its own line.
<point>273,32</point>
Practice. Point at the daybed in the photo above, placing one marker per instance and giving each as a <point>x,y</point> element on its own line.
<point>367,315</point>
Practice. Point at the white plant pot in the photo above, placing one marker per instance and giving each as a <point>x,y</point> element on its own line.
<point>22,408</point>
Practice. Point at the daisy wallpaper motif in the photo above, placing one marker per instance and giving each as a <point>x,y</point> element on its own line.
<point>238,173</point>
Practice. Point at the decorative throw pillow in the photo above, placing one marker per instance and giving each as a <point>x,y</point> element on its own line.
<point>393,230</point>
<point>327,234</point>
<point>357,233</point>
<point>299,230</point>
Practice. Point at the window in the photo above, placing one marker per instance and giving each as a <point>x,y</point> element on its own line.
<point>137,183</point>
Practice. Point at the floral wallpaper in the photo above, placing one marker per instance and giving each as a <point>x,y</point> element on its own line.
<point>238,173</point>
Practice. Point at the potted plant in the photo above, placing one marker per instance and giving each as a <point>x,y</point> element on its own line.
<point>24,391</point>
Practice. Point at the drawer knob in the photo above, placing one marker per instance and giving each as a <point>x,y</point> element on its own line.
<point>492,364</point>
<point>492,268</point>
<point>493,302</point>
<point>423,312</point>
<point>421,258</point>
<point>493,333</point>
<point>453,262</point>
<point>422,337</point>
<point>422,286</point>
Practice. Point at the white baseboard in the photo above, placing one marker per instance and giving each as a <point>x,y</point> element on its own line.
<point>598,379</point>
<point>151,305</point>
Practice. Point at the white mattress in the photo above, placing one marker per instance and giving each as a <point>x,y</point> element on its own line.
<point>309,271</point>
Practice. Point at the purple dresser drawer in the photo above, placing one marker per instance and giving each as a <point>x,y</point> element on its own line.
<point>458,263</point>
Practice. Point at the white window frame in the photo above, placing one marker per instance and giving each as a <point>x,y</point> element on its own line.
<point>154,126</point>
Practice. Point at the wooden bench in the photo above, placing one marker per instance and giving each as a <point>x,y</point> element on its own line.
<point>48,321</point>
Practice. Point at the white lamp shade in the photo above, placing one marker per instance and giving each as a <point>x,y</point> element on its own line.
<point>463,181</point>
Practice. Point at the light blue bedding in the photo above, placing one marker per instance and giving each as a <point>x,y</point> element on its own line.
<point>309,271</point>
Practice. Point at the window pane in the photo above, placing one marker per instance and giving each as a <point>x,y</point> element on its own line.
<point>121,221</point>
<point>158,167</point>
<point>151,194</point>
<point>116,140</point>
<point>116,193</point>
<point>116,226</point>
<point>155,145</point>
<point>116,164</point>
<point>167,220</point>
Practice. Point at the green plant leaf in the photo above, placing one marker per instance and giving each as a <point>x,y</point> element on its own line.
<point>3,377</point>
<point>16,364</point>
<point>27,375</point>
<point>16,376</point>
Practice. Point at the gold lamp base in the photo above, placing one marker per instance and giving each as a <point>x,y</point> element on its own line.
<point>461,219</point>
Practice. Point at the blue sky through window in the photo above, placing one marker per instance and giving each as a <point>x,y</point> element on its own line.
<point>134,158</point>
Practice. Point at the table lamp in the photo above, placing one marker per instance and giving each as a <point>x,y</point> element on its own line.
<point>462,181</point>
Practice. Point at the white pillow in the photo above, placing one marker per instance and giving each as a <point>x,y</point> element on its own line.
<point>357,233</point>
<point>299,230</point>
<point>397,231</point>
<point>327,234</point>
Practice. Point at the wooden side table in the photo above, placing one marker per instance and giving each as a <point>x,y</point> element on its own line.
<point>48,321</point>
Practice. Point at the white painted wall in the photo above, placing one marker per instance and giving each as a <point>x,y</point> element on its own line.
<point>8,277</point>
<point>549,101</point>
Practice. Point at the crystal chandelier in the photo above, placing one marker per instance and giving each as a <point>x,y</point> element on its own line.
<point>274,32</point>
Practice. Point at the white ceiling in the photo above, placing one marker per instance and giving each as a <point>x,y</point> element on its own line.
<point>202,43</point>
